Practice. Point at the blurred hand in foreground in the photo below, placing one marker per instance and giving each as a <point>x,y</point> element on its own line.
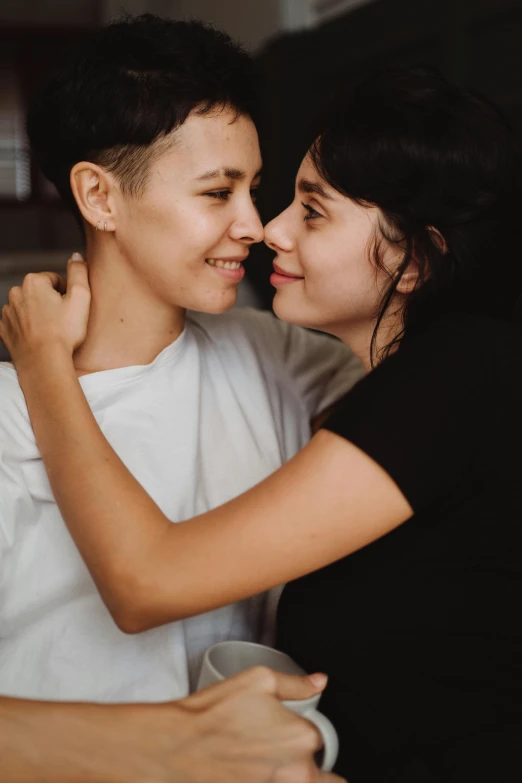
<point>234,732</point>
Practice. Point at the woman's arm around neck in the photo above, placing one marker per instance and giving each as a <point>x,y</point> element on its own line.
<point>328,501</point>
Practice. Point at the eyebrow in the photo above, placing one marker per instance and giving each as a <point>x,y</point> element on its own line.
<point>226,172</point>
<point>306,186</point>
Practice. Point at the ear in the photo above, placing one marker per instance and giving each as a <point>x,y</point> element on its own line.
<point>93,189</point>
<point>409,279</point>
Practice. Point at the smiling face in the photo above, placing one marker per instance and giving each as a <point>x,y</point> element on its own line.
<point>325,275</point>
<point>186,237</point>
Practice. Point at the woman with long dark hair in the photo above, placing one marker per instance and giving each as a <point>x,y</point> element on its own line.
<point>398,526</point>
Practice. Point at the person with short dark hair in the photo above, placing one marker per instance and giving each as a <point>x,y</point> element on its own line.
<point>398,527</point>
<point>146,131</point>
<point>117,97</point>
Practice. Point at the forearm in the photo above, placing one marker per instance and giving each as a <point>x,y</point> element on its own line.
<point>151,572</point>
<point>237,730</point>
<point>31,745</point>
<point>101,503</point>
<point>50,742</point>
<point>47,743</point>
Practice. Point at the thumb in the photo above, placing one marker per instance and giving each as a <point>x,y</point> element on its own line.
<point>57,282</point>
<point>289,687</point>
<point>77,275</point>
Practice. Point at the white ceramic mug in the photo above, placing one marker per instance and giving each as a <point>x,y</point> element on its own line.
<point>225,659</point>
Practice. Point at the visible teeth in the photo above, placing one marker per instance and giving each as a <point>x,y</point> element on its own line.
<point>223,264</point>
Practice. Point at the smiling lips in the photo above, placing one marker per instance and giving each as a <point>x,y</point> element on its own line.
<point>221,264</point>
<point>233,269</point>
<point>280,277</point>
<point>229,268</point>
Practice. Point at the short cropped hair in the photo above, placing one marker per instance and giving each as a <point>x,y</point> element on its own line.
<point>115,100</point>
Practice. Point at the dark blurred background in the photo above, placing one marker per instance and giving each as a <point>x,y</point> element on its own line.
<point>301,47</point>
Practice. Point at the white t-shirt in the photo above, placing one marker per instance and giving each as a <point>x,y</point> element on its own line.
<point>216,412</point>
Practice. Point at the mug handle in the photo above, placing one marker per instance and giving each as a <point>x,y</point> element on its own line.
<point>328,755</point>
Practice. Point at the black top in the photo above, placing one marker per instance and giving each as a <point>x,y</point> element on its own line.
<point>421,631</point>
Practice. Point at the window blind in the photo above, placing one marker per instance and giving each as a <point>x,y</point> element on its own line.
<point>15,172</point>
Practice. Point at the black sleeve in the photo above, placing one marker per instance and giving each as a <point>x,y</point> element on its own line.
<point>422,414</point>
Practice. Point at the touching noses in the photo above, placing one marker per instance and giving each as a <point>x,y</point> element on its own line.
<point>248,227</point>
<point>276,234</point>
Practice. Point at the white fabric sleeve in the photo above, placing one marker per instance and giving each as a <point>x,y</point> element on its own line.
<point>321,368</point>
<point>17,449</point>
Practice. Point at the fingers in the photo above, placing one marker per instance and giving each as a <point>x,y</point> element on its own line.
<point>58,283</point>
<point>261,679</point>
<point>35,279</point>
<point>14,294</point>
<point>77,276</point>
<point>285,687</point>
<point>289,687</point>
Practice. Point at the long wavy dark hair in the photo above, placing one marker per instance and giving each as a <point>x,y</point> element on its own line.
<point>438,162</point>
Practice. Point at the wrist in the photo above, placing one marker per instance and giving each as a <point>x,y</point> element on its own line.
<point>48,360</point>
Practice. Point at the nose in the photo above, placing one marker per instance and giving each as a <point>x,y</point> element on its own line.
<point>277,236</point>
<point>248,227</point>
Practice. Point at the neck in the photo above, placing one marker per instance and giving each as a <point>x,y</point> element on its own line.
<point>128,324</point>
<point>359,338</point>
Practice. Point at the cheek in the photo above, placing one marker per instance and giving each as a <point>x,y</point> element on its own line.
<point>174,228</point>
<point>340,277</point>
<point>326,265</point>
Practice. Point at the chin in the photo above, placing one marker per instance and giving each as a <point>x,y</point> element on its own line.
<point>287,311</point>
<point>297,314</point>
<point>217,305</point>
